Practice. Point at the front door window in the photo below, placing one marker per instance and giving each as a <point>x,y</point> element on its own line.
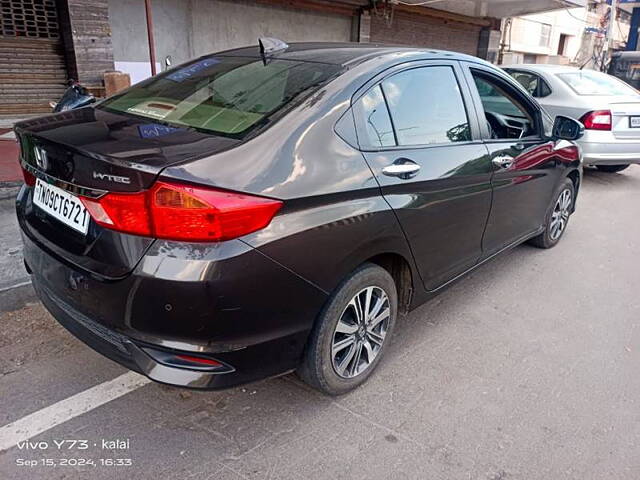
<point>506,116</point>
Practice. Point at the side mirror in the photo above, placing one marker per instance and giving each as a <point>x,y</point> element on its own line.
<point>566,128</point>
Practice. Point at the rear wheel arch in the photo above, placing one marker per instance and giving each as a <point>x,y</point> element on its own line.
<point>400,270</point>
<point>574,176</point>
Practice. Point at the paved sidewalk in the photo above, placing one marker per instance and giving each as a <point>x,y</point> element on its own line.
<point>10,173</point>
<point>15,283</point>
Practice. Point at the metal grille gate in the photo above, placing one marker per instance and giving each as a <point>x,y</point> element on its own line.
<point>32,62</point>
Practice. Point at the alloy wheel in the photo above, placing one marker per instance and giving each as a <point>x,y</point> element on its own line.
<point>560,214</point>
<point>360,332</point>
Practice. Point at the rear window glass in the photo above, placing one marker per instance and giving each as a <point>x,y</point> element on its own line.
<point>588,82</point>
<point>229,96</point>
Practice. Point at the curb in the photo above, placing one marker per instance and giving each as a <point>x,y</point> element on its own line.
<point>9,190</point>
<point>17,296</point>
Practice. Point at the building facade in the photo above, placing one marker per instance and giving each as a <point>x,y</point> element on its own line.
<point>45,42</point>
<point>565,36</point>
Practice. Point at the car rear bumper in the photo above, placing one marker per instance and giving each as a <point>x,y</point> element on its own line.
<point>601,148</point>
<point>611,158</point>
<point>245,311</point>
<point>250,364</point>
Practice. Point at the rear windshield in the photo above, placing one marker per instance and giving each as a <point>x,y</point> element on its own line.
<point>229,96</point>
<point>588,82</point>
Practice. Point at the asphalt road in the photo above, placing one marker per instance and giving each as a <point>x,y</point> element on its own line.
<point>527,369</point>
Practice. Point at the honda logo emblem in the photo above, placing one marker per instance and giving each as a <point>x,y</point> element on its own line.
<point>41,158</point>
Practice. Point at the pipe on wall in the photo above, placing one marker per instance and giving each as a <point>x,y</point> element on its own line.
<point>152,50</point>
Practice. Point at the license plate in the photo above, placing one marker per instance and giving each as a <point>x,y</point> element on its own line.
<point>61,205</point>
<point>634,122</point>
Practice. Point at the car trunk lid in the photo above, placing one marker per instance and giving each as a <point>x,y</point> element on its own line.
<point>90,152</point>
<point>625,113</point>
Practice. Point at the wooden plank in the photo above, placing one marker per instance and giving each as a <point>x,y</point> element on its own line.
<point>7,67</point>
<point>32,77</point>
<point>23,96</point>
<point>29,43</point>
<point>27,108</point>
<point>12,92</point>
<point>16,57</point>
<point>30,51</point>
<point>33,63</point>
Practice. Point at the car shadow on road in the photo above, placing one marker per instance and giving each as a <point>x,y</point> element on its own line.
<point>593,176</point>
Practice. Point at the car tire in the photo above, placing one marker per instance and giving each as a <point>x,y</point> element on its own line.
<point>611,168</point>
<point>332,362</point>
<point>557,217</point>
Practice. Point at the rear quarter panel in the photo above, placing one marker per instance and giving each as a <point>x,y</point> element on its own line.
<point>333,217</point>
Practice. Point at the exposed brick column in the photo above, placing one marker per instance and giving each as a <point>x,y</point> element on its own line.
<point>87,39</point>
<point>364,35</point>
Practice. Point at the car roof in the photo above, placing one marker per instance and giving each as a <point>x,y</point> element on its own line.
<point>537,67</point>
<point>349,54</point>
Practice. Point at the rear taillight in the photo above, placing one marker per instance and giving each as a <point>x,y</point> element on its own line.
<point>29,178</point>
<point>125,212</point>
<point>597,120</point>
<point>182,212</point>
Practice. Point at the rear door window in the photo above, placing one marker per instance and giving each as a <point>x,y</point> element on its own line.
<point>229,96</point>
<point>426,106</point>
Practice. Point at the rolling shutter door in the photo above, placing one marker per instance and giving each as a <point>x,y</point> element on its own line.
<point>32,62</point>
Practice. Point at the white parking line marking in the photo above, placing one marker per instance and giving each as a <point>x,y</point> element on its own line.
<point>53,415</point>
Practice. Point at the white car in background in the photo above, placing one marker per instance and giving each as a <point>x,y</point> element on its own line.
<point>608,108</point>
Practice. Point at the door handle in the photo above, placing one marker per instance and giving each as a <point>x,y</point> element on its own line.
<point>503,161</point>
<point>402,167</point>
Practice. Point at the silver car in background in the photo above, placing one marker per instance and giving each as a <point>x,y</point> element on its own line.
<point>608,108</point>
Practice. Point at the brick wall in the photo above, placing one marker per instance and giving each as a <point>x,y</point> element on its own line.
<point>420,30</point>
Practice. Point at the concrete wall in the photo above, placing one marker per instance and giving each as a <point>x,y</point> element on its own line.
<point>525,32</point>
<point>172,30</point>
<point>218,25</point>
<point>188,28</point>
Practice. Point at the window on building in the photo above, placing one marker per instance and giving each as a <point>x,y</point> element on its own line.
<point>545,35</point>
<point>623,16</point>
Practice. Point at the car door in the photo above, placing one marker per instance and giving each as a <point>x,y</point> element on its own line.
<point>523,159</point>
<point>423,144</point>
